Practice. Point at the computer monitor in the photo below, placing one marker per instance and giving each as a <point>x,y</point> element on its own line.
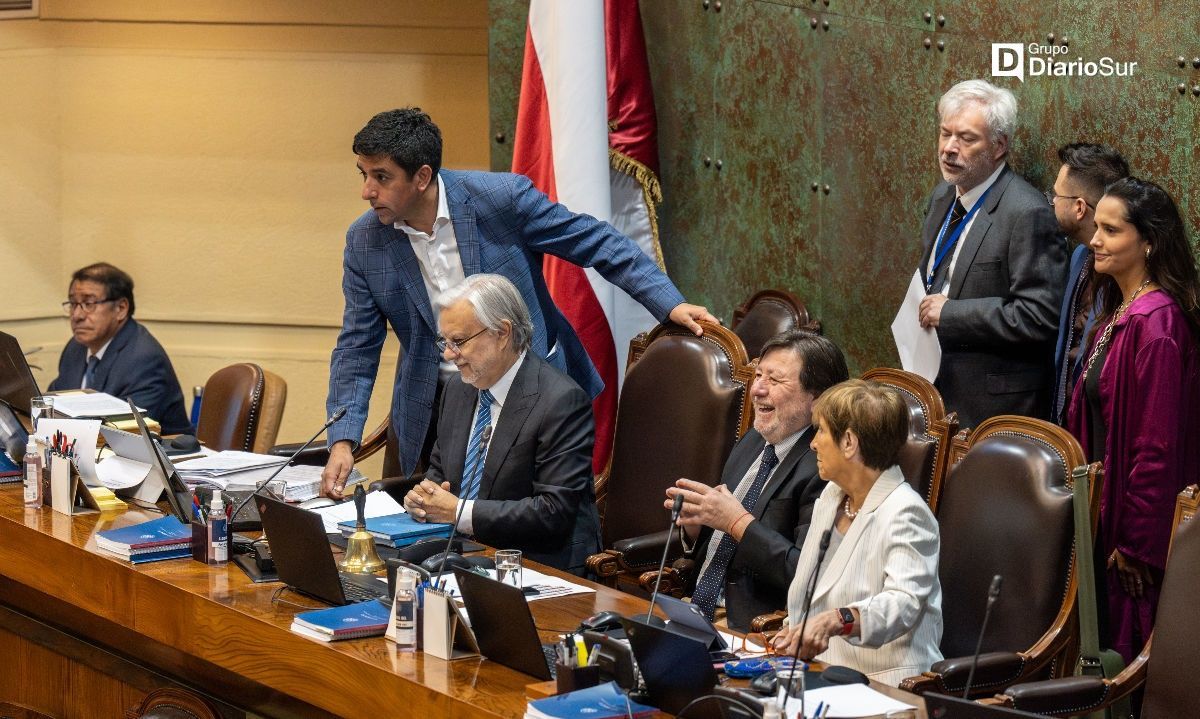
<point>17,385</point>
<point>179,497</point>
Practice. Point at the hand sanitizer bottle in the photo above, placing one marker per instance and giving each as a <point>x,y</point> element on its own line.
<point>218,530</point>
<point>33,474</point>
<point>406,611</point>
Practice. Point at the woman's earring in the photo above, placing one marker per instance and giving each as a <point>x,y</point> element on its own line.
<point>1147,253</point>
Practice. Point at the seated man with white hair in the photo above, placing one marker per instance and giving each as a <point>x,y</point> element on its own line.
<point>514,437</point>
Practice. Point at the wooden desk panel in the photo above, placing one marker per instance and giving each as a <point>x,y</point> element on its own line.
<point>214,630</point>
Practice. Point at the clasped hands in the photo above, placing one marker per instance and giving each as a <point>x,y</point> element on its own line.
<point>707,506</point>
<point>430,502</point>
<point>817,632</point>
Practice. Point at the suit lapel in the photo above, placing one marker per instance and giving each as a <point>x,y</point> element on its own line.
<point>938,208</point>
<point>405,260</point>
<point>979,229</point>
<point>111,356</point>
<point>783,471</point>
<point>462,215</point>
<point>522,396</point>
<point>884,486</point>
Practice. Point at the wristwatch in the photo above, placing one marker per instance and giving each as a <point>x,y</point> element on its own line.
<point>847,617</point>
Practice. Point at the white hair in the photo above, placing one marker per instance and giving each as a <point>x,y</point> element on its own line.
<point>998,104</point>
<point>494,299</point>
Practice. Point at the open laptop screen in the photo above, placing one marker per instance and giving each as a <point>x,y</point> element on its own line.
<point>17,385</point>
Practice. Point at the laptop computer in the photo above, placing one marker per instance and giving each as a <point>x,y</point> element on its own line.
<point>17,385</point>
<point>303,557</point>
<point>675,668</point>
<point>941,706</point>
<point>503,625</point>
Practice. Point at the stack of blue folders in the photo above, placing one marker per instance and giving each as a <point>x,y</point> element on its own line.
<point>364,619</point>
<point>165,538</point>
<point>599,702</point>
<point>398,530</point>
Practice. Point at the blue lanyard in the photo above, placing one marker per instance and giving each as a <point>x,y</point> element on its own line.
<point>952,240</point>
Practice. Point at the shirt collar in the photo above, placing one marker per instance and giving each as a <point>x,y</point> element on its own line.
<point>443,215</point>
<point>99,354</point>
<point>786,445</point>
<point>971,196</point>
<point>504,384</point>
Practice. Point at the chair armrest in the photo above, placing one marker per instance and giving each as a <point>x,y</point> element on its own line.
<point>317,455</point>
<point>772,622</point>
<point>1064,697</point>
<point>605,565</point>
<point>640,554</point>
<point>396,485</point>
<point>671,583</point>
<point>995,672</point>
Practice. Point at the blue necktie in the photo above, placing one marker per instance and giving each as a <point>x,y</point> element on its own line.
<point>709,586</point>
<point>476,448</point>
<point>89,372</point>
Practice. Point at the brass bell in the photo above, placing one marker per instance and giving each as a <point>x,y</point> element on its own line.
<point>361,557</point>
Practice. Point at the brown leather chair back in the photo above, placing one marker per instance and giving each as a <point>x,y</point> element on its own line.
<point>1171,686</point>
<point>1005,508</point>
<point>684,404</point>
<point>924,456</point>
<point>766,314</point>
<point>242,407</point>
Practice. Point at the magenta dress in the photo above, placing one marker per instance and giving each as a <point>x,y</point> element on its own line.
<point>1150,404</point>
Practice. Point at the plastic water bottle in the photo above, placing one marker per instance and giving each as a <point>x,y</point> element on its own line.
<point>33,474</point>
<point>218,530</point>
<point>406,611</point>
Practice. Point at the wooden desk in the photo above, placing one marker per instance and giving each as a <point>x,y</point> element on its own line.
<point>93,634</point>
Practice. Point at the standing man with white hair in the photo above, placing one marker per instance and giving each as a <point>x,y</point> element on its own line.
<point>514,437</point>
<point>994,264</point>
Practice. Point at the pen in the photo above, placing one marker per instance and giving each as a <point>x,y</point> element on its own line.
<point>581,653</point>
<point>827,707</point>
<point>817,713</point>
<point>594,656</point>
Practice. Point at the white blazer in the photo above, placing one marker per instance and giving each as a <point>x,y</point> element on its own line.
<point>886,567</point>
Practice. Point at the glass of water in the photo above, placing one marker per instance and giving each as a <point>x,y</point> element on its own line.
<point>508,566</point>
<point>40,407</point>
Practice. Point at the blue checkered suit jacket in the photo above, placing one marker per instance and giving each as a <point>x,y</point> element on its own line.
<point>503,225</point>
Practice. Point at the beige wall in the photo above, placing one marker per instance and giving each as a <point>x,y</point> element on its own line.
<point>204,148</point>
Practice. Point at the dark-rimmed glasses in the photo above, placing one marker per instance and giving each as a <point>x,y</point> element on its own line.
<point>455,346</point>
<point>88,306</point>
<point>1051,197</point>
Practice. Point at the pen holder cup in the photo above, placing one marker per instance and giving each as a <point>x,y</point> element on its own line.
<point>200,545</point>
<point>570,678</point>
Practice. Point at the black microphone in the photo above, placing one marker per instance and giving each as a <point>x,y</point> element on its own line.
<point>823,547</point>
<point>341,412</point>
<point>478,469</point>
<point>993,595</point>
<point>662,563</point>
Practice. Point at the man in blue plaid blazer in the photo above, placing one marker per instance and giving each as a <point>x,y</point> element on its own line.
<point>429,228</point>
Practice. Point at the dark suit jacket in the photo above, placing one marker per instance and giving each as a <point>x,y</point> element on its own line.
<point>134,365</point>
<point>504,225</point>
<point>998,328</point>
<point>764,562</point>
<point>536,494</point>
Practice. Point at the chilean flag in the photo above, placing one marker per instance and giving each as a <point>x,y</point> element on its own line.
<point>586,137</point>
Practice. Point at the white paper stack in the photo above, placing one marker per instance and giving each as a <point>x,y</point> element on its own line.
<point>234,471</point>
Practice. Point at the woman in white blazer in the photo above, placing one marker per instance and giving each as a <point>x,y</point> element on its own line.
<point>877,606</point>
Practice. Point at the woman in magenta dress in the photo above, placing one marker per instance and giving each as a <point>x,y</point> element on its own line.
<point>1137,407</point>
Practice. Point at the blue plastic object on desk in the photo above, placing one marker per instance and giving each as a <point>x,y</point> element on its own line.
<point>741,668</point>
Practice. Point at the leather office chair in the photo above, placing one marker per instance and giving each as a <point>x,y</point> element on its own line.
<point>243,405</point>
<point>1005,507</point>
<point>173,703</point>
<point>1169,670</point>
<point>766,314</point>
<point>924,457</point>
<point>684,404</point>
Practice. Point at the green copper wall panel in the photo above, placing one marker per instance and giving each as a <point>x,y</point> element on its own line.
<point>850,103</point>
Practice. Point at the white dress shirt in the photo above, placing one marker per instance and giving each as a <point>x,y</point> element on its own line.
<point>99,355</point>
<point>438,257</point>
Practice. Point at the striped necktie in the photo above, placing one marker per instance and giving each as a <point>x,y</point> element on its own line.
<point>477,447</point>
<point>710,584</point>
<point>89,373</point>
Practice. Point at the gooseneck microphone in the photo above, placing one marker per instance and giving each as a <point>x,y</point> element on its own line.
<point>662,563</point>
<point>341,412</point>
<point>993,595</point>
<point>823,547</point>
<point>462,502</point>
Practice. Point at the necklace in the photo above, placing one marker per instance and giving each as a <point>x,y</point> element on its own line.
<point>1104,338</point>
<point>846,509</point>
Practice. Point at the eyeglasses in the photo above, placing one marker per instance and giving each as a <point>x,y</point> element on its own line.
<point>455,346</point>
<point>88,306</point>
<point>1051,197</point>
